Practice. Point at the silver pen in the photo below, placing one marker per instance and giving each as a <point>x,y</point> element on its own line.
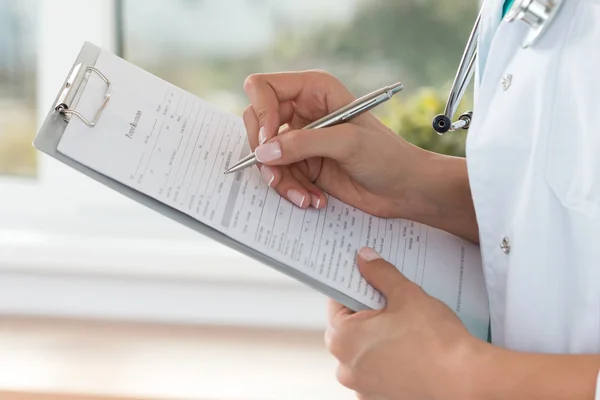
<point>344,114</point>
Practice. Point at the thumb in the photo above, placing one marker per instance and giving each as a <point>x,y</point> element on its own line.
<point>382,275</point>
<point>338,142</point>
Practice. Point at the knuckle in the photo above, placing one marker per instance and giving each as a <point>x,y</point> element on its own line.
<point>291,145</point>
<point>345,377</point>
<point>252,81</point>
<point>293,138</point>
<point>349,377</point>
<point>248,114</point>
<point>327,337</point>
<point>317,73</point>
<point>334,345</point>
<point>261,114</point>
<point>328,82</point>
<point>338,344</point>
<point>329,340</point>
<point>323,82</point>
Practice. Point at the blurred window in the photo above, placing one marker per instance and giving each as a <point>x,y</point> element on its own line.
<point>55,222</point>
<point>17,87</point>
<point>208,47</point>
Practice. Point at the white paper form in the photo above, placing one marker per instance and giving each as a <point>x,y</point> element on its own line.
<point>175,147</point>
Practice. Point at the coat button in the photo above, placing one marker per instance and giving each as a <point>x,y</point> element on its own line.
<point>505,245</point>
<point>506,81</point>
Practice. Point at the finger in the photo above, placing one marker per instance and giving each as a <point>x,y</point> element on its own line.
<point>317,197</point>
<point>252,124</point>
<point>342,346</point>
<point>279,178</point>
<point>345,376</point>
<point>293,184</point>
<point>266,107</point>
<point>339,143</point>
<point>311,168</point>
<point>344,336</point>
<point>382,275</point>
<point>266,103</point>
<point>338,340</point>
<point>267,91</point>
<point>337,312</point>
<point>291,189</point>
<point>270,175</point>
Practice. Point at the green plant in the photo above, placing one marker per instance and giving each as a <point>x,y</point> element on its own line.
<point>17,155</point>
<point>411,117</point>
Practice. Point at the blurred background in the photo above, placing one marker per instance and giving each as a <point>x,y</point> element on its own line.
<point>99,296</point>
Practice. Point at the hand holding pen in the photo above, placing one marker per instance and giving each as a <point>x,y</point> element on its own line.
<point>346,152</point>
<point>344,114</point>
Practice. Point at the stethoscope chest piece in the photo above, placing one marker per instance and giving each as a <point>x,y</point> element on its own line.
<point>536,13</point>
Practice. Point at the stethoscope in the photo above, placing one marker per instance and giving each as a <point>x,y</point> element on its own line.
<point>536,13</point>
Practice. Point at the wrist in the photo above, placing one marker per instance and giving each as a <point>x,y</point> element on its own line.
<point>483,370</point>
<point>469,366</point>
<point>438,193</point>
<point>497,374</point>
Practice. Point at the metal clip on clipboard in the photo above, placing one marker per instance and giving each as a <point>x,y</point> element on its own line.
<point>72,90</point>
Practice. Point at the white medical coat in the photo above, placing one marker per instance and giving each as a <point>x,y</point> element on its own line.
<point>533,155</point>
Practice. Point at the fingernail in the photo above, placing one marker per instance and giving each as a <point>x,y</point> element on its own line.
<point>368,254</point>
<point>268,152</point>
<point>315,201</point>
<point>267,174</point>
<point>262,135</point>
<point>296,197</point>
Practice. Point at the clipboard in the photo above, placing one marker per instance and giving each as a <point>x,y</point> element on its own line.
<point>64,109</point>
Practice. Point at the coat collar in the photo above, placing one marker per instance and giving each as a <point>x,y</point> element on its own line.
<point>491,16</point>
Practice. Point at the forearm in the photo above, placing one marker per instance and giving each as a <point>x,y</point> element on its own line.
<point>503,374</point>
<point>444,198</point>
